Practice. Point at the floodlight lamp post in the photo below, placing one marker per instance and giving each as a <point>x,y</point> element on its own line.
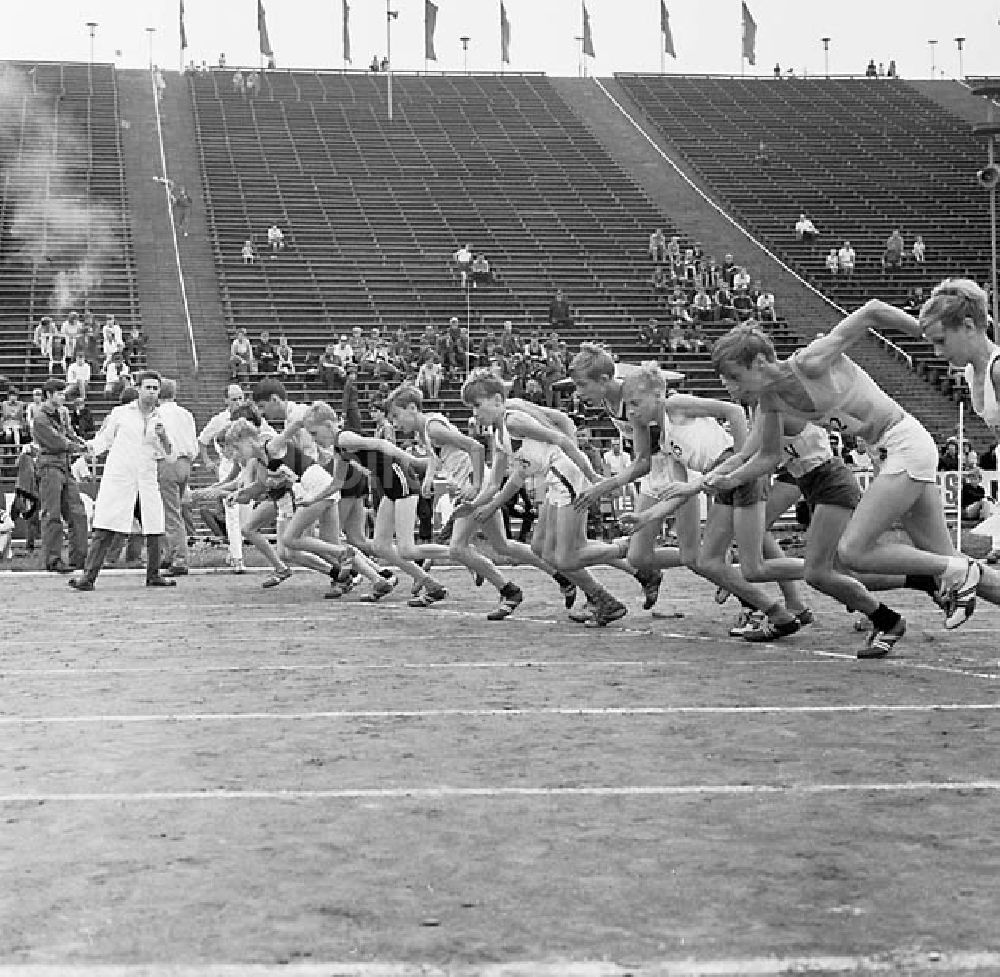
<point>150,31</point>
<point>465,52</point>
<point>579,64</point>
<point>390,16</point>
<point>960,44</point>
<point>933,46</point>
<point>826,55</point>
<point>92,28</point>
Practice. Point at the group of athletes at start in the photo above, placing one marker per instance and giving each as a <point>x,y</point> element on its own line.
<point>682,446</point>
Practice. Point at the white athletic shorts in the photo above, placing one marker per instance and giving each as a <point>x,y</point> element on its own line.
<point>907,447</point>
<point>564,481</point>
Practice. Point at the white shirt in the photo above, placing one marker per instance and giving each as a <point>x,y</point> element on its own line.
<point>832,262</point>
<point>463,256</point>
<point>918,249</point>
<point>274,233</point>
<point>78,373</point>
<point>846,257</point>
<point>344,351</point>
<point>181,430</point>
<point>741,279</point>
<point>804,224</point>
<point>616,463</point>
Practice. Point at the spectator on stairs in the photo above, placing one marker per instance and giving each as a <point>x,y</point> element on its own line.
<point>81,417</point>
<point>117,375</point>
<point>679,305</point>
<point>253,84</point>
<point>744,305</point>
<point>429,377</point>
<point>462,259</point>
<point>267,355</point>
<point>78,373</point>
<point>510,342</point>
<point>241,361</point>
<point>701,306</point>
<point>805,230</point>
<point>239,88</point>
<point>248,252</point>
<point>846,259</point>
<point>833,262</point>
<point>344,351</point>
<point>741,279</point>
<point>660,283</point>
<point>674,255</point>
<point>729,269</point>
<point>724,310</point>
<point>456,349</point>
<point>765,305</point>
<point>286,367</point>
<point>181,202</point>
<point>48,340</point>
<point>112,339</point>
<point>402,348</point>
<point>710,277</point>
<point>33,406</point>
<point>135,347</point>
<point>560,312</point>
<point>15,426</point>
<point>71,330</point>
<point>919,250</point>
<point>275,239</point>
<point>331,367</point>
<point>658,246</point>
<point>892,259</point>
<point>480,271</point>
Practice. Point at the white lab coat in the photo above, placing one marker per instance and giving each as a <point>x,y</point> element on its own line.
<point>129,472</point>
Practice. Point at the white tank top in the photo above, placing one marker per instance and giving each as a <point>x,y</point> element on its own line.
<point>454,462</point>
<point>696,442</point>
<point>846,396</point>
<point>806,450</point>
<point>532,457</point>
<point>984,401</point>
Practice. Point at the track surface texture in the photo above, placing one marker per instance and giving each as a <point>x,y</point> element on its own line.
<point>223,779</point>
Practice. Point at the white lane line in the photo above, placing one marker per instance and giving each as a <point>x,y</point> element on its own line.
<point>561,711</point>
<point>460,793</point>
<point>929,962</point>
<point>918,666</point>
<point>181,668</point>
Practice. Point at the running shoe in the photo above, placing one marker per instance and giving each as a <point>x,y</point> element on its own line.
<point>237,567</point>
<point>748,620</point>
<point>722,595</point>
<point>568,591</point>
<point>431,595</point>
<point>769,631</point>
<point>606,610</point>
<point>510,598</point>
<point>881,643</point>
<point>279,576</point>
<point>581,615</point>
<point>650,581</point>
<point>386,574</point>
<point>959,602</point>
<point>862,623</point>
<point>805,616</point>
<point>379,590</point>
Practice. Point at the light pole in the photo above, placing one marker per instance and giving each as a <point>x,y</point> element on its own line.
<point>826,55</point>
<point>465,52</point>
<point>960,43</point>
<point>150,31</point>
<point>579,63</point>
<point>933,45</point>
<point>390,16</point>
<point>92,28</point>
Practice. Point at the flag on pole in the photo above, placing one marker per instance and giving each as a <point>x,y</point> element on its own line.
<point>347,32</point>
<point>504,35</point>
<point>588,40</point>
<point>184,37</point>
<point>430,22</point>
<point>265,43</point>
<point>668,38</point>
<point>749,36</point>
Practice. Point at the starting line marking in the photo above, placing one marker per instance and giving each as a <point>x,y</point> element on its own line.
<point>589,711</point>
<point>460,793</point>
<point>890,963</point>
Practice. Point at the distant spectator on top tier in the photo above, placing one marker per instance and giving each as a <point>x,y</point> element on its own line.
<point>871,71</point>
<point>267,355</point>
<point>463,262</point>
<point>276,239</point>
<point>919,250</point>
<point>832,262</point>
<point>238,87</point>
<point>658,246</point>
<point>480,271</point>
<point>805,230</point>
<point>249,252</point>
<point>253,84</point>
<point>560,313</point>
<point>891,70</point>
<point>846,258</point>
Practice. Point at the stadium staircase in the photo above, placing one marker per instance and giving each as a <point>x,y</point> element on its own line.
<point>861,157</point>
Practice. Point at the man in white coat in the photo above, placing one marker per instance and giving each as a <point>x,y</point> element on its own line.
<point>135,439</point>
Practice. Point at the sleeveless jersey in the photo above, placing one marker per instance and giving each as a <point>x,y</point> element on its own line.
<point>453,462</point>
<point>696,442</point>
<point>985,406</point>
<point>293,458</point>
<point>806,450</point>
<point>846,396</point>
<point>532,457</point>
<point>626,428</point>
<point>382,467</point>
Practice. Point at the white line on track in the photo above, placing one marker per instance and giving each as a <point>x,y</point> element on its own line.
<point>561,711</point>
<point>465,793</point>
<point>889,963</point>
<point>918,666</point>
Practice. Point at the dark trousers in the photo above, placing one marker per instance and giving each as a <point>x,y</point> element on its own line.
<point>101,542</point>
<point>59,499</point>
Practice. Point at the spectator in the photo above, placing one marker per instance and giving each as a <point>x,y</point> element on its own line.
<point>679,305</point>
<point>359,346</point>
<point>744,305</point>
<point>402,349</point>
<point>331,367</point>
<point>948,456</point>
<point>249,252</point>
<point>383,426</point>
<point>480,271</point>
<point>678,339</point>
<point>805,230</point>
<point>846,259</point>
<point>674,254</point>
<point>78,372</point>
<point>117,375</point>
<point>696,336</point>
<point>429,377</point>
<point>660,282</point>
<point>112,340</point>
<point>181,202</point>
<point>892,259</point>
<point>710,277</point>
<point>560,313</point>
<point>135,347</point>
<point>534,351</point>
<point>975,503</point>
<point>253,84</point>
<point>222,60</point>
<point>861,457</point>
<point>919,250</point>
<point>510,342</point>
<point>241,361</point>
<point>765,306</point>
<point>15,427</point>
<point>463,262</point>
<point>689,266</point>
<point>33,406</point>
<point>276,239</point>
<point>728,270</point>
<point>70,331</point>
<point>267,355</point>
<point>47,339</point>
<point>374,66</point>
<point>349,406</point>
<point>81,417</point>
<point>344,351</point>
<point>871,71</point>
<point>724,304</point>
<point>285,365</point>
<point>741,279</point>
<point>648,333</point>
<point>833,262</point>
<point>701,306</point>
<point>891,72</point>
<point>658,246</point>
<point>238,87</point>
<point>456,348</point>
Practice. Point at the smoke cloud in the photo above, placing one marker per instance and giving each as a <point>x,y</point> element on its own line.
<point>68,237</point>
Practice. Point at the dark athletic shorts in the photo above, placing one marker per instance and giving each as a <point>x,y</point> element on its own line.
<point>785,476</point>
<point>832,483</point>
<point>743,496</point>
<point>355,483</point>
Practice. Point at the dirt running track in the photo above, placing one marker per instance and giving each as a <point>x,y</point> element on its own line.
<point>225,775</point>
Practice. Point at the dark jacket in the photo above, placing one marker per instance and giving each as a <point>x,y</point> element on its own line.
<point>54,436</point>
